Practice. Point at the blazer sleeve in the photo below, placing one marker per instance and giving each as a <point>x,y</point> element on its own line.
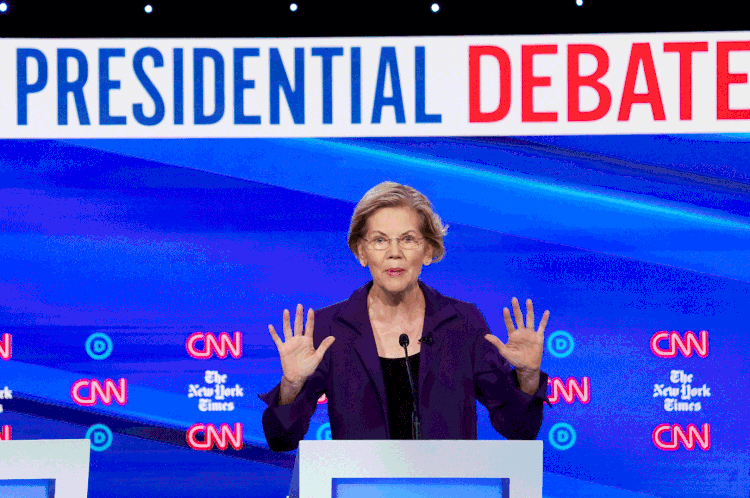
<point>514,414</point>
<point>286,425</point>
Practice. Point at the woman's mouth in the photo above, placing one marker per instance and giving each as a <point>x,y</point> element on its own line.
<point>396,272</point>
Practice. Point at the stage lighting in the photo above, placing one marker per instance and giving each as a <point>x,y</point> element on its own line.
<point>3,8</point>
<point>148,9</point>
<point>293,7</point>
<point>579,2</point>
<point>435,7</point>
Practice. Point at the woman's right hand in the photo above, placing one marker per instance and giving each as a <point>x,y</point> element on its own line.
<point>299,358</point>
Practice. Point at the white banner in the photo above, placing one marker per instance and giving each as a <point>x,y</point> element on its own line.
<point>401,86</point>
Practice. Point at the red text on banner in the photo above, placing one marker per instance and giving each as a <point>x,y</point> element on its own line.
<point>98,393</point>
<point>213,346</point>
<point>221,438</point>
<point>678,436</point>
<point>570,389</point>
<point>675,342</point>
<point>6,350</point>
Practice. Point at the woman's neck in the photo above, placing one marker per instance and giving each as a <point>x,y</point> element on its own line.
<point>385,305</point>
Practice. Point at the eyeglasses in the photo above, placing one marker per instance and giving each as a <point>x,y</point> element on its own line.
<point>380,243</point>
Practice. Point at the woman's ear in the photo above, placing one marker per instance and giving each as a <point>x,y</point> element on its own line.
<point>429,251</point>
<point>361,254</point>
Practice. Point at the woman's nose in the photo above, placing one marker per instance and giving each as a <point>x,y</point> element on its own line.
<point>393,248</point>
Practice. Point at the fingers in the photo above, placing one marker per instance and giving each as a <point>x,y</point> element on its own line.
<point>324,347</point>
<point>543,323</point>
<point>529,315</point>
<point>508,321</point>
<point>517,313</point>
<point>297,325</point>
<point>298,320</point>
<point>274,336</point>
<point>287,326</point>
<point>498,344</point>
<point>310,324</point>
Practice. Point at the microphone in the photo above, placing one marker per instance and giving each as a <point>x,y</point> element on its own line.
<point>403,340</point>
<point>426,340</point>
<point>416,432</point>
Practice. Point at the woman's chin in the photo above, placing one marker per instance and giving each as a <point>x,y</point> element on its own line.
<point>396,287</point>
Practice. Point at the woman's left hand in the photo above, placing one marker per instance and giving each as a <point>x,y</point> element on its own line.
<point>524,347</point>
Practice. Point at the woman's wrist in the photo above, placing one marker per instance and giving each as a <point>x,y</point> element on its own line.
<point>292,383</point>
<point>528,379</point>
<point>289,390</point>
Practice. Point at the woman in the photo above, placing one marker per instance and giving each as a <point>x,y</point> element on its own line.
<point>350,351</point>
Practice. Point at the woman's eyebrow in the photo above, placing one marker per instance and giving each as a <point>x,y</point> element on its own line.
<point>383,233</point>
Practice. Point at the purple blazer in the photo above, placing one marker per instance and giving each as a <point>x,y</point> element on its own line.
<point>458,368</point>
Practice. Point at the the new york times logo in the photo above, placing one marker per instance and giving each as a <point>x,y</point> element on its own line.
<point>5,393</point>
<point>216,396</point>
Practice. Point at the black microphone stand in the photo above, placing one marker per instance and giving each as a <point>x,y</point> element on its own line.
<point>416,432</point>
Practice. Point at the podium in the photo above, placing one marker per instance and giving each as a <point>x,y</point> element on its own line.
<point>418,469</point>
<point>45,468</point>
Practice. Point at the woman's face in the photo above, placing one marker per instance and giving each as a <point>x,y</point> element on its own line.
<point>394,269</point>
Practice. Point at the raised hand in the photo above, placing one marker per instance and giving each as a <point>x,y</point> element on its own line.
<point>299,358</point>
<point>524,347</point>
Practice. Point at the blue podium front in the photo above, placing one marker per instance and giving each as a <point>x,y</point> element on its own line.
<point>27,488</point>
<point>420,469</point>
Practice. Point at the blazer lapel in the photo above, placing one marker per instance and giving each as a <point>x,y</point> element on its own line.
<point>355,315</point>
<point>437,312</point>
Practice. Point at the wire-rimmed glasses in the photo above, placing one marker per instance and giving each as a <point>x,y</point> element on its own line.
<point>381,242</point>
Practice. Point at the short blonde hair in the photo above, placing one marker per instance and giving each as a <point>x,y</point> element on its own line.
<point>391,194</point>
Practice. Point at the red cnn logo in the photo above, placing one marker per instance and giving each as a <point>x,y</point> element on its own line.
<point>5,347</point>
<point>675,341</point>
<point>5,433</point>
<point>221,439</point>
<point>97,393</point>
<point>703,438</point>
<point>570,389</point>
<point>211,345</point>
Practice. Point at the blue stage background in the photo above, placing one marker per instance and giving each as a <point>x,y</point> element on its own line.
<point>149,241</point>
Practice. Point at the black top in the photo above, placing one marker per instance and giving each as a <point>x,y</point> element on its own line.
<point>398,393</point>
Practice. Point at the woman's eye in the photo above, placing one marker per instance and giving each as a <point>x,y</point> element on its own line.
<point>408,238</point>
<point>379,240</point>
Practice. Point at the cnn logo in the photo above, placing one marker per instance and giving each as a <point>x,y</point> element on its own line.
<point>97,392</point>
<point>6,350</point>
<point>5,433</point>
<point>211,437</point>
<point>677,436</point>
<point>674,342</point>
<point>570,390</point>
<point>210,345</point>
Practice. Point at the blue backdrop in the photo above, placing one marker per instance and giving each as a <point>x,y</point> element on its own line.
<point>114,252</point>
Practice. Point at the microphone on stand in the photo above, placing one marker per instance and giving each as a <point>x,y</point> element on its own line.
<point>416,432</point>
